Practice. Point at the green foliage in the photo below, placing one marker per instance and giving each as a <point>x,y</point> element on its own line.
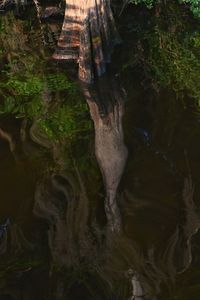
<point>66,121</point>
<point>166,52</point>
<point>31,88</point>
<point>148,3</point>
<point>193,4</point>
<point>32,85</point>
<point>21,108</point>
<point>62,119</point>
<point>28,87</point>
<point>172,64</point>
<point>24,96</point>
<point>59,82</point>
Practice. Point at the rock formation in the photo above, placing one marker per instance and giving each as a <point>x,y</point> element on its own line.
<point>88,36</point>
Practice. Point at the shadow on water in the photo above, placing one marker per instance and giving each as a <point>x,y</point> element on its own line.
<point>59,242</point>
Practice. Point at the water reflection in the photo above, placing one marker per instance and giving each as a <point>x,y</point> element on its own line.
<point>71,247</point>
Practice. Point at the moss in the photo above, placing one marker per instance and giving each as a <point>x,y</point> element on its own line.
<point>172,64</point>
<point>31,88</point>
<point>59,119</point>
<point>66,121</point>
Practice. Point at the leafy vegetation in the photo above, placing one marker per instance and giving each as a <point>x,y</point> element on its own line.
<point>24,97</point>
<point>66,121</point>
<point>173,64</point>
<point>30,88</point>
<point>148,3</point>
<point>60,119</point>
<point>193,4</point>
<point>166,51</point>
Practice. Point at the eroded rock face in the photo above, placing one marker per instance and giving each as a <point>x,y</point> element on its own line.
<point>62,202</point>
<point>88,36</point>
<point>52,200</point>
<point>106,105</point>
<point>51,12</point>
<point>178,252</point>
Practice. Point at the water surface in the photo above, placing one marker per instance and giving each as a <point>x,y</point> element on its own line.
<point>58,246</point>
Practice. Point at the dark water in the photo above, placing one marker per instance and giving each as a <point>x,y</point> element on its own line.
<point>48,257</point>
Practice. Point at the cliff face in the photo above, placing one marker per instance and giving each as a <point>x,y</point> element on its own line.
<point>106,104</point>
<point>88,36</point>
